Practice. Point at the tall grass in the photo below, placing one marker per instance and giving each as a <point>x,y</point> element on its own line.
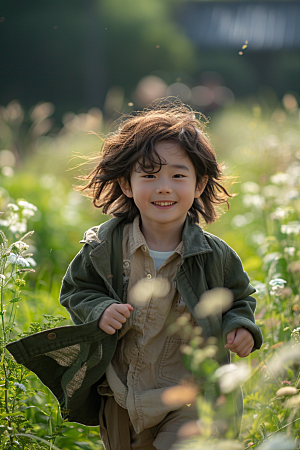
<point>262,148</point>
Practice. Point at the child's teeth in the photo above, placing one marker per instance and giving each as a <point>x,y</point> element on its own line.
<point>164,203</point>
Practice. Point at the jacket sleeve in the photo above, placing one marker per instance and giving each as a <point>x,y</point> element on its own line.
<point>84,293</point>
<point>241,313</point>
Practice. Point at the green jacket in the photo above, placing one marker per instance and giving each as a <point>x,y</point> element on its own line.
<point>71,360</point>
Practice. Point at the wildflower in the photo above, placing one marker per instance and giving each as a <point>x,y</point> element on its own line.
<point>27,213</point>
<point>277,282</point>
<point>19,282</point>
<point>11,259</point>
<point>12,207</point>
<point>290,251</point>
<point>296,334</point>
<point>31,261</point>
<point>19,227</point>
<point>270,191</point>
<point>20,246</point>
<point>2,279</point>
<point>293,401</point>
<point>281,213</point>
<point>27,205</point>
<point>291,228</point>
<point>20,386</point>
<point>231,375</point>
<point>179,395</point>
<point>250,187</point>
<point>212,301</point>
<point>279,178</point>
<point>146,288</point>
<point>257,201</point>
<point>287,390</point>
<point>22,262</point>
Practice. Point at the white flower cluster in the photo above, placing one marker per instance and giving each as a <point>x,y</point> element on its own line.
<point>296,334</point>
<point>18,215</point>
<point>291,228</point>
<point>277,286</point>
<point>18,260</point>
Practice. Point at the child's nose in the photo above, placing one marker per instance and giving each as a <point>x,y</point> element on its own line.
<point>164,188</point>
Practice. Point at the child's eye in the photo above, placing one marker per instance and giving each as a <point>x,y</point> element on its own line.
<point>179,175</point>
<point>148,176</point>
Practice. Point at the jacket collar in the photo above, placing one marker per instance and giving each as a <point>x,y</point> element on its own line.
<point>193,237</point>
<point>194,241</point>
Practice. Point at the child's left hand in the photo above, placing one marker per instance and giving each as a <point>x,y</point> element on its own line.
<point>240,341</point>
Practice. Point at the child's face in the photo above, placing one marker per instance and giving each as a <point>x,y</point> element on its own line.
<point>166,196</point>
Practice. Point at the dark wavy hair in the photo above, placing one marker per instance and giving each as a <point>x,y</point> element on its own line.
<point>134,142</point>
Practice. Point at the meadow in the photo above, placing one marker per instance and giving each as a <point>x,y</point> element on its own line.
<point>260,146</point>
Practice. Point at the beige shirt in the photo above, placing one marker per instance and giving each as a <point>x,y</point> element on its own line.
<point>147,359</point>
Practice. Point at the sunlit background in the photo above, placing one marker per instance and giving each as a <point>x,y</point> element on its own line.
<point>72,67</point>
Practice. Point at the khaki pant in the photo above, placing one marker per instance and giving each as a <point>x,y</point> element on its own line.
<point>117,432</point>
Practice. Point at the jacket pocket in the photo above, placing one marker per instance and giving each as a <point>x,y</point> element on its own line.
<point>171,367</point>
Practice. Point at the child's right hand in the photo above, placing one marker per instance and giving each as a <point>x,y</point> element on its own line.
<point>114,316</point>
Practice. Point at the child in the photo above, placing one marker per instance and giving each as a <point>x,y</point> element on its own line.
<point>157,175</point>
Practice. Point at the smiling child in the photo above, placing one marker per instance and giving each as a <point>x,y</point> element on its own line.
<point>158,176</point>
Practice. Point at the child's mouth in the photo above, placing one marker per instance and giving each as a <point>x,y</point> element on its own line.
<point>163,205</point>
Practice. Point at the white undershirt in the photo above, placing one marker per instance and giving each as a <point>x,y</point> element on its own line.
<point>159,257</point>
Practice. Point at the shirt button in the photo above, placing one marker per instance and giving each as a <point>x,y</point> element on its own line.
<point>138,313</point>
<point>51,336</point>
<point>144,248</point>
<point>149,276</point>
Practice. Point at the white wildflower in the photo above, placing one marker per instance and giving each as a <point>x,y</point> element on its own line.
<point>22,262</point>
<point>27,205</point>
<point>21,246</point>
<point>280,178</point>
<point>250,187</point>
<point>11,259</point>
<point>290,251</point>
<point>231,376</point>
<point>19,227</point>
<point>4,223</point>
<point>214,301</point>
<point>277,282</point>
<point>27,213</point>
<point>239,221</point>
<point>291,228</point>
<point>20,386</point>
<point>12,207</point>
<point>2,279</point>
<point>292,194</point>
<point>258,237</point>
<point>281,212</point>
<point>257,201</point>
<point>31,261</point>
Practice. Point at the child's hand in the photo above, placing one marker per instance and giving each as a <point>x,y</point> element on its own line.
<point>240,341</point>
<point>114,316</point>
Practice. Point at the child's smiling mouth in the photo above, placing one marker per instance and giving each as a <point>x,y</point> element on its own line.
<point>164,204</point>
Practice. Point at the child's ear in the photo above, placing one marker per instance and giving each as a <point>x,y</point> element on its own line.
<point>201,186</point>
<point>125,186</point>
